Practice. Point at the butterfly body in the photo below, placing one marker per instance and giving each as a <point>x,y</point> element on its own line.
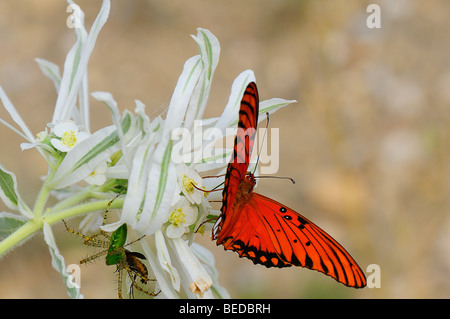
<point>266,231</point>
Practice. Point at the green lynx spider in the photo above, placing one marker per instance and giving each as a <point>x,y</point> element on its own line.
<point>116,254</point>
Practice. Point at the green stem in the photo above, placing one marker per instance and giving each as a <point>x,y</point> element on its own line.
<point>82,209</point>
<point>44,194</point>
<point>41,200</point>
<point>69,202</point>
<point>33,226</point>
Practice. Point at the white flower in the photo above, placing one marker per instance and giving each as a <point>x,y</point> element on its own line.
<point>182,216</point>
<point>98,176</point>
<point>190,183</point>
<point>68,134</point>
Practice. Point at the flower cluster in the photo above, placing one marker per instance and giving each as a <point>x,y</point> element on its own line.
<point>166,198</point>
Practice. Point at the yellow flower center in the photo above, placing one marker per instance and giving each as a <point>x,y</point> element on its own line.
<point>201,230</point>
<point>176,218</point>
<point>188,184</point>
<point>69,138</point>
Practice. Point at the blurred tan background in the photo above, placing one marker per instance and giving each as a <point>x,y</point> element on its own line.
<point>367,142</point>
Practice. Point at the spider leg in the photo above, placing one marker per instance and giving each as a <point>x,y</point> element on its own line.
<point>132,242</point>
<point>105,215</point>
<point>89,241</point>
<point>132,274</point>
<point>86,238</point>
<point>119,280</point>
<point>95,256</point>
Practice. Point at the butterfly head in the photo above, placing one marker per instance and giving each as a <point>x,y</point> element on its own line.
<point>247,184</point>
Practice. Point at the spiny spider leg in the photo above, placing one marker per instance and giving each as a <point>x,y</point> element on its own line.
<point>92,257</point>
<point>88,241</point>
<point>120,267</point>
<point>119,280</point>
<point>105,217</point>
<point>131,242</point>
<point>131,272</point>
<point>105,214</point>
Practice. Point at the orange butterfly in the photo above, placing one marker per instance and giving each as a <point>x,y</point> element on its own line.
<point>265,231</point>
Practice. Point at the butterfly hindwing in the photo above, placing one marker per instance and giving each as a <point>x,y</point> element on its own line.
<point>300,242</point>
<point>274,235</point>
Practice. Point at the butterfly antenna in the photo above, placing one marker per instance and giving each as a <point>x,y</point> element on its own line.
<point>277,177</point>
<point>264,137</point>
<point>215,189</point>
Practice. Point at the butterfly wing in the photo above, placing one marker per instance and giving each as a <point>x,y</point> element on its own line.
<point>243,145</point>
<point>274,235</point>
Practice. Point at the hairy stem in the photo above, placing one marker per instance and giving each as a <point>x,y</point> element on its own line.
<point>36,224</point>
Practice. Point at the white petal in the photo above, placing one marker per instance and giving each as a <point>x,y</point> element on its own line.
<point>65,126</point>
<point>191,215</point>
<point>175,231</point>
<point>59,145</point>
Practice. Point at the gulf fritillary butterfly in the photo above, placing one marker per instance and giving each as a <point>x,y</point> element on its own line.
<point>265,231</point>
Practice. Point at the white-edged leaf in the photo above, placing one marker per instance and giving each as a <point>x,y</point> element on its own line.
<point>75,67</point>
<point>16,116</point>
<point>209,50</point>
<point>9,193</point>
<point>59,264</point>
<point>182,94</point>
<point>137,180</point>
<point>209,53</point>
<point>51,71</point>
<point>231,111</point>
<point>163,282</point>
<point>207,258</point>
<point>137,183</point>
<point>81,115</point>
<point>165,261</point>
<point>161,185</point>
<point>193,275</point>
<point>9,223</point>
<point>71,63</point>
<point>109,101</point>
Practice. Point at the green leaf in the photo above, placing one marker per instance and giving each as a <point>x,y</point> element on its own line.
<point>9,223</point>
<point>9,193</point>
<point>8,185</point>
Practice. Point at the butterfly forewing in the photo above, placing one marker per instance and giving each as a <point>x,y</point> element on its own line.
<point>243,145</point>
